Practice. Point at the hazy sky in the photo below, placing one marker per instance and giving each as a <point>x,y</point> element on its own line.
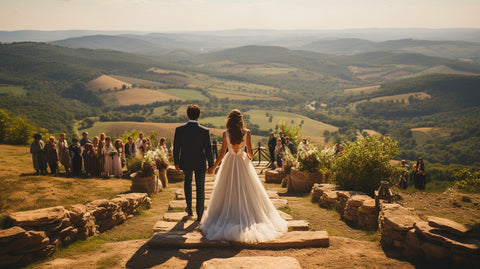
<point>179,15</point>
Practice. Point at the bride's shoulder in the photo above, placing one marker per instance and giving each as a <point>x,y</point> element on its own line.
<point>246,131</point>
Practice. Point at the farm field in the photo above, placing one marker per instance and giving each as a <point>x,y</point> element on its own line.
<point>139,82</point>
<point>402,97</point>
<point>240,95</point>
<point>254,69</point>
<point>362,90</point>
<point>185,94</point>
<point>12,89</point>
<point>139,96</point>
<point>107,82</point>
<point>442,69</point>
<point>421,135</point>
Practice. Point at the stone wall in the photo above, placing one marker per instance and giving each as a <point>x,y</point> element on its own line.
<point>440,241</point>
<point>38,233</point>
<point>355,208</point>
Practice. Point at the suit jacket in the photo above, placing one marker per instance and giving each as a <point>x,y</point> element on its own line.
<point>192,147</point>
<point>127,150</point>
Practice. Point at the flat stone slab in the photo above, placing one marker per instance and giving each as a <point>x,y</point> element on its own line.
<point>181,239</point>
<point>180,194</point>
<point>398,217</point>
<point>447,239</point>
<point>177,216</point>
<point>284,215</point>
<point>298,225</point>
<point>38,217</point>
<point>273,195</point>
<point>295,239</point>
<point>279,203</point>
<point>195,239</point>
<point>167,226</point>
<point>182,204</point>
<point>256,262</point>
<point>449,226</point>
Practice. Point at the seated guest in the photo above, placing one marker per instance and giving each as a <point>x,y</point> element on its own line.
<point>76,157</point>
<point>51,155</point>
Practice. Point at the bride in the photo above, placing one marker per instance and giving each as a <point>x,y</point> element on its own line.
<point>239,209</point>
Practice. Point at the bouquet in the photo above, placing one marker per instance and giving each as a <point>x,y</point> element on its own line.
<point>113,153</point>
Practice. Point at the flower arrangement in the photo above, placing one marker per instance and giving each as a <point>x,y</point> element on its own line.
<point>113,153</point>
<point>308,158</point>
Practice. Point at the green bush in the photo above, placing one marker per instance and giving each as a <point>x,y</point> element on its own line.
<point>468,180</point>
<point>364,163</point>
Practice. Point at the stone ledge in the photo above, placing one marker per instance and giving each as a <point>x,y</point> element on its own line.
<point>181,239</point>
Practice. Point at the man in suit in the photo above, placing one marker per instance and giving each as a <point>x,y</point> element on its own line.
<point>191,150</point>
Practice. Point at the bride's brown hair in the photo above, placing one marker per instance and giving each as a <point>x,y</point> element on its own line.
<point>235,126</point>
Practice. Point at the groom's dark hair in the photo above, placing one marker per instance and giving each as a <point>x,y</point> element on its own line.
<point>193,112</point>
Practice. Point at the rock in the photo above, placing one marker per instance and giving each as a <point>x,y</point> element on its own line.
<point>175,216</point>
<point>328,199</point>
<point>397,217</point>
<point>298,225</point>
<point>31,242</point>
<point>10,234</point>
<point>256,262</point>
<point>319,188</point>
<point>182,204</point>
<point>412,244</point>
<point>292,240</point>
<point>449,226</point>
<point>7,260</point>
<point>279,203</point>
<point>167,226</point>
<point>103,203</point>
<point>38,217</point>
<point>76,212</point>
<point>174,175</point>
<point>182,239</point>
<point>275,176</point>
<point>284,215</point>
<point>273,195</point>
<point>368,207</point>
<point>446,239</point>
<point>357,200</point>
<point>435,252</point>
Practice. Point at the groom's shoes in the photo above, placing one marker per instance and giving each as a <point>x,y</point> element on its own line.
<point>189,211</point>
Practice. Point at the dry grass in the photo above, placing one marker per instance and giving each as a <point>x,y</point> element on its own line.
<point>363,90</point>
<point>442,69</point>
<point>402,97</point>
<point>428,133</point>
<point>21,190</point>
<point>139,96</point>
<point>106,82</point>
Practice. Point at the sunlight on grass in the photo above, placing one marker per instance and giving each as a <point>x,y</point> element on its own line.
<point>108,262</point>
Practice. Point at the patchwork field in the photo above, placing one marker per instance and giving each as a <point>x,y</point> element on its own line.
<point>141,83</point>
<point>185,94</point>
<point>421,135</point>
<point>105,82</point>
<point>402,97</point>
<point>442,69</point>
<point>254,69</point>
<point>362,90</point>
<point>12,89</point>
<point>139,96</point>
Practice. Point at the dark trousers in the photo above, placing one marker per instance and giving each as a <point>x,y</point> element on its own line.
<point>272,154</point>
<point>53,167</point>
<point>200,185</point>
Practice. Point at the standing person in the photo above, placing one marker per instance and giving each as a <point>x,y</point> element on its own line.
<point>214,149</point>
<point>64,153</point>
<point>148,144</point>
<point>191,149</point>
<point>98,148</point>
<point>117,159</point>
<point>139,141</point>
<point>281,137</point>
<point>290,145</point>
<point>403,184</point>
<point>162,145</point>
<point>279,151</point>
<point>76,157</point>
<point>92,164</point>
<point>239,208</point>
<point>420,174</point>
<point>51,155</point>
<point>38,155</point>
<point>130,148</point>
<point>84,141</point>
<point>108,152</point>
<point>272,142</point>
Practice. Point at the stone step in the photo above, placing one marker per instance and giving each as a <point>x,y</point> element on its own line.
<point>255,262</point>
<point>180,194</point>
<point>162,226</point>
<point>194,239</point>
<point>178,216</point>
<point>182,204</point>
<point>284,215</point>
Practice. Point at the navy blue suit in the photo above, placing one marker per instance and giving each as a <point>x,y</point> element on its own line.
<point>191,150</point>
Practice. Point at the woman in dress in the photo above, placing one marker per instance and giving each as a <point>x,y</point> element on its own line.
<point>76,157</point>
<point>239,209</point>
<point>51,155</point>
<point>98,148</point>
<point>63,153</point>
<point>38,155</point>
<point>117,159</point>
<point>420,174</point>
<point>92,161</point>
<point>109,152</point>
<point>279,151</point>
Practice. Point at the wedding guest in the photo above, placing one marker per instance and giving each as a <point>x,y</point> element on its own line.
<point>214,149</point>
<point>420,174</point>
<point>117,159</point>
<point>279,150</point>
<point>51,155</point>
<point>109,152</point>
<point>130,148</point>
<point>139,141</point>
<point>403,184</point>
<point>280,136</point>
<point>93,163</point>
<point>76,157</point>
<point>272,142</point>
<point>290,145</point>
<point>162,145</point>
<point>338,149</point>
<point>38,155</point>
<point>148,144</point>
<point>102,138</point>
<point>98,148</point>
<point>63,153</point>
<point>84,141</point>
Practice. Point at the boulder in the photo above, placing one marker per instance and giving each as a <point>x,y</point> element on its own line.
<point>280,203</point>
<point>319,188</point>
<point>412,244</point>
<point>435,252</point>
<point>468,244</point>
<point>368,207</point>
<point>449,226</point>
<point>76,212</point>
<point>38,217</point>
<point>10,234</point>
<point>357,200</point>
<point>328,199</point>
<point>275,176</point>
<point>32,241</point>
<point>397,217</point>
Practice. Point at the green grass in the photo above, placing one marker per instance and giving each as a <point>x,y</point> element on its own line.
<point>14,90</point>
<point>108,262</point>
<point>186,94</point>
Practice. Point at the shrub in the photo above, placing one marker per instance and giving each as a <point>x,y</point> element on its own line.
<point>468,180</point>
<point>366,162</point>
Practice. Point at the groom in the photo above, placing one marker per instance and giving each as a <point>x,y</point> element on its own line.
<point>191,149</point>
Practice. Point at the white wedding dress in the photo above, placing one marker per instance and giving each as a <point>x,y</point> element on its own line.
<point>240,209</point>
